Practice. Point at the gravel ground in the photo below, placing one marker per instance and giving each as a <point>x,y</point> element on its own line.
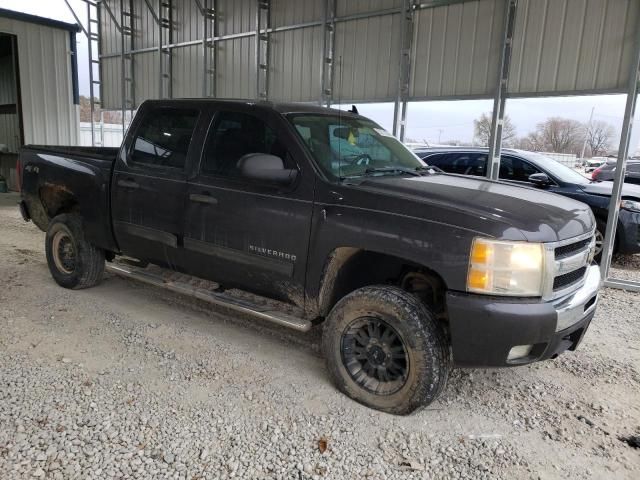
<point>127,381</point>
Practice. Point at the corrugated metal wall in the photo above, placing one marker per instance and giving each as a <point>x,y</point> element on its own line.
<point>573,45</point>
<point>7,81</point>
<point>9,132</point>
<point>456,50</point>
<point>44,59</point>
<point>560,46</point>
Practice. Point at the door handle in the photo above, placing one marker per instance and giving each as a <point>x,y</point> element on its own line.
<point>128,184</point>
<point>201,198</point>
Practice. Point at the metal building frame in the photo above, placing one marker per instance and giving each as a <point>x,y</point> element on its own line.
<point>406,43</point>
<point>209,13</point>
<point>500,96</point>
<point>621,168</point>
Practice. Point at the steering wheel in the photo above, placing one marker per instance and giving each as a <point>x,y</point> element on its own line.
<point>361,159</point>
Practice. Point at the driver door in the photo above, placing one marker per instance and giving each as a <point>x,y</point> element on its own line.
<point>243,232</point>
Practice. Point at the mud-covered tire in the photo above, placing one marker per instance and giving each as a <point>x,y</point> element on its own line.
<point>425,347</point>
<point>73,262</point>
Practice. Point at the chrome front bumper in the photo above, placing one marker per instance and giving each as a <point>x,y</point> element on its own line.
<point>574,307</point>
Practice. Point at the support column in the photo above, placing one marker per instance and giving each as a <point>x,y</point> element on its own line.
<point>328,53</point>
<point>209,32</point>
<point>404,70</point>
<point>127,38</point>
<point>165,23</point>
<point>263,15</point>
<point>500,98</point>
<point>621,167</point>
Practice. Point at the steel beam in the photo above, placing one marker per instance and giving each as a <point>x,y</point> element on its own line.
<point>263,18</point>
<point>208,10</point>
<point>500,97</point>
<point>328,53</point>
<point>621,167</point>
<point>73,12</point>
<point>404,70</point>
<point>252,33</point>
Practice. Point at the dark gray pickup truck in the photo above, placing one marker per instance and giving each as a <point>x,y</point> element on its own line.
<point>321,216</point>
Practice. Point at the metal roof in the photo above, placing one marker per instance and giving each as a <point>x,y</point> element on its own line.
<point>560,47</point>
<point>48,22</point>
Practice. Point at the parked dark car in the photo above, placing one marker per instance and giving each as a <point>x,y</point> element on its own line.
<point>319,215</point>
<point>607,172</point>
<point>532,169</point>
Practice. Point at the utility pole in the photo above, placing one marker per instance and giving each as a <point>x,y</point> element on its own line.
<point>439,135</point>
<point>586,136</point>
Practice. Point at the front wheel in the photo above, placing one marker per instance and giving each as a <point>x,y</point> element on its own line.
<point>601,228</point>
<point>73,262</point>
<point>385,349</point>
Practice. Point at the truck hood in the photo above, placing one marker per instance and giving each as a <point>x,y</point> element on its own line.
<point>605,188</point>
<point>490,207</point>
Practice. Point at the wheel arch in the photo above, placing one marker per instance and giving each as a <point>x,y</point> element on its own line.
<point>348,268</point>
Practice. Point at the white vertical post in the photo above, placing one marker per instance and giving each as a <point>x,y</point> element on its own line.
<point>621,166</point>
<point>500,97</point>
<point>404,70</point>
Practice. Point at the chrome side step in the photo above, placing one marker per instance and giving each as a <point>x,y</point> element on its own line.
<point>211,296</point>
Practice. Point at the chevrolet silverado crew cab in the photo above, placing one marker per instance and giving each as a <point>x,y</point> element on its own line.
<point>302,215</point>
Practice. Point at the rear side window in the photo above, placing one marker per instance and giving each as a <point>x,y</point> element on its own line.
<point>634,168</point>
<point>163,138</point>
<point>460,163</point>
<point>438,160</point>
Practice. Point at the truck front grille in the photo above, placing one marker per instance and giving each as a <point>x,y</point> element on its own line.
<point>570,263</point>
<point>563,281</point>
<point>566,250</point>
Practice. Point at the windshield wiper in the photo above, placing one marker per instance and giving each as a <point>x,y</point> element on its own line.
<point>429,169</point>
<point>371,171</point>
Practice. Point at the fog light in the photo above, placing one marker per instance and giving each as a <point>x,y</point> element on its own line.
<point>520,351</point>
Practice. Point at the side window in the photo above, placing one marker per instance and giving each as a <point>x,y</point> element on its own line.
<point>461,163</point>
<point>634,168</point>
<point>163,138</point>
<point>516,169</point>
<point>234,135</point>
<point>472,164</point>
<point>440,160</point>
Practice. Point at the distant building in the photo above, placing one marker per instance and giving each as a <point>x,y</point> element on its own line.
<point>38,85</point>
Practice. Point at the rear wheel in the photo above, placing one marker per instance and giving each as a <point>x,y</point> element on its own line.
<point>73,262</point>
<point>385,349</point>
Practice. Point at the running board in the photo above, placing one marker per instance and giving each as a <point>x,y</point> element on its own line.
<point>213,297</point>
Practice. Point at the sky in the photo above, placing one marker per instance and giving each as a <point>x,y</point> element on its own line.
<point>434,121</point>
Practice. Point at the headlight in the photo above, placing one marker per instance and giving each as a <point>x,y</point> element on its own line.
<point>632,205</point>
<point>506,268</point>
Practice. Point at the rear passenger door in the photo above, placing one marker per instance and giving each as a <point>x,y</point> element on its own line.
<point>149,182</point>
<point>242,232</point>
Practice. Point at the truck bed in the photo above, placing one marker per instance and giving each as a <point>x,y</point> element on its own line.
<point>58,179</point>
<point>107,154</point>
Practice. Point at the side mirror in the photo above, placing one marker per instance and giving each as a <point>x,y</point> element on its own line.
<point>266,168</point>
<point>540,179</point>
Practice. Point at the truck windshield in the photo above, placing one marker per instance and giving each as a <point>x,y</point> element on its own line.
<point>348,147</point>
